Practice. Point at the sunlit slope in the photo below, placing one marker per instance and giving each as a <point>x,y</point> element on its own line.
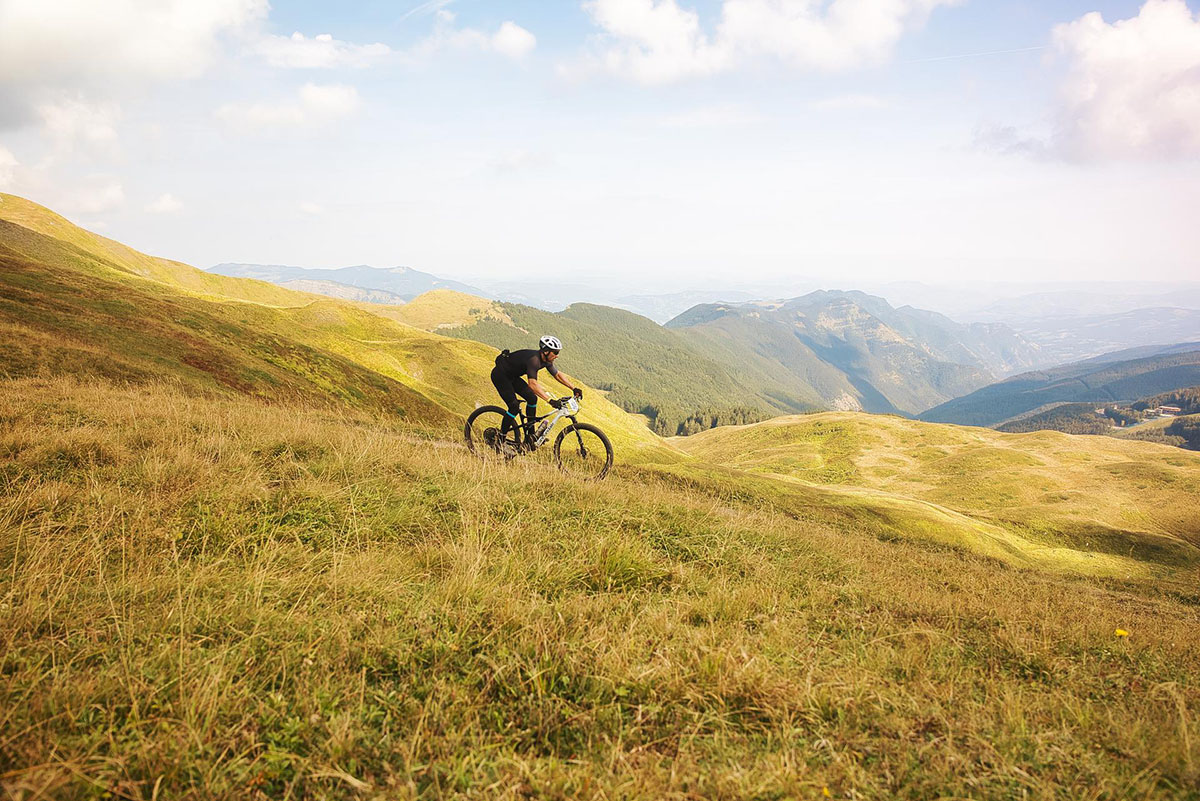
<point>1090,504</point>
<point>445,308</point>
<point>225,599</point>
<point>70,310</point>
<point>56,319</point>
<point>99,252</point>
<point>453,372</point>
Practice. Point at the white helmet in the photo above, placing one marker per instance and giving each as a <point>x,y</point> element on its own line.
<point>550,343</point>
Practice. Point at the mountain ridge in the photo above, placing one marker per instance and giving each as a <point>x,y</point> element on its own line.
<point>403,282</point>
<point>853,348</point>
<point>1107,378</point>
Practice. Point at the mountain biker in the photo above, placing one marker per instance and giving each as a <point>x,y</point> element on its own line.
<point>515,378</point>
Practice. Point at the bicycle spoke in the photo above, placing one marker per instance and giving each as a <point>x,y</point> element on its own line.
<point>490,434</point>
<point>584,452</point>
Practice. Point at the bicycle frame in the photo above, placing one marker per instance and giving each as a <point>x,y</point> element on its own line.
<point>570,408</point>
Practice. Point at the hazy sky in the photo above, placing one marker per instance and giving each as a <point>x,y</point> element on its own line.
<point>651,141</point>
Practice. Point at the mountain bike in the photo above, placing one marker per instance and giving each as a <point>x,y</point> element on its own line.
<point>580,449</point>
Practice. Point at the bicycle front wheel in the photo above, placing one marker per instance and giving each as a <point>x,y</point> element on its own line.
<point>583,451</point>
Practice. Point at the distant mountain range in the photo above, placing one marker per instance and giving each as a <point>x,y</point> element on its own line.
<point>360,282</point>
<point>1067,339</point>
<point>400,284</point>
<point>855,350</point>
<point>661,308</point>
<point>1035,330</point>
<point>1122,376</point>
<point>844,350</point>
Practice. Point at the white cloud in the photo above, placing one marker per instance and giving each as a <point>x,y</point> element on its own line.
<point>96,194</point>
<point>513,41</point>
<point>8,169</point>
<point>509,40</point>
<point>76,124</point>
<point>808,33</point>
<point>321,52</point>
<point>165,204</point>
<point>658,41</point>
<point>314,105</point>
<point>74,43</point>
<point>314,209</point>
<point>1133,87</point>
<point>654,41</point>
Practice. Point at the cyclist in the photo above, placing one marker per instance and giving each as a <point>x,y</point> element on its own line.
<point>515,378</point>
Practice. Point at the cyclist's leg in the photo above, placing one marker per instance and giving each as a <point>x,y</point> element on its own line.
<point>521,387</point>
<point>511,401</point>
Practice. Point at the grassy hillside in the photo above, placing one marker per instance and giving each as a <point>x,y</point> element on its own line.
<point>222,599</point>
<point>67,309</point>
<point>1099,381</point>
<point>114,255</point>
<point>1088,504</point>
<point>441,309</point>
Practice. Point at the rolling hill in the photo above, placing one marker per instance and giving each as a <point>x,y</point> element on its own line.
<point>94,252</point>
<point>1028,498</point>
<point>1106,379</point>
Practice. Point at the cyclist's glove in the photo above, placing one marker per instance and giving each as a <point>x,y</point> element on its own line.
<point>578,393</point>
<point>556,403</point>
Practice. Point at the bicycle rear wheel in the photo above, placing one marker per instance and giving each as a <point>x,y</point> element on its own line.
<point>483,437</point>
<point>583,451</point>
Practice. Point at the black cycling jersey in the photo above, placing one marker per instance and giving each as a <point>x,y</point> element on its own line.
<point>523,363</point>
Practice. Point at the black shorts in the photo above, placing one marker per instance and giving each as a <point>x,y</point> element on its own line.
<point>512,390</point>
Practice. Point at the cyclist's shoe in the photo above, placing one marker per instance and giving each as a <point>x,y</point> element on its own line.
<point>499,443</point>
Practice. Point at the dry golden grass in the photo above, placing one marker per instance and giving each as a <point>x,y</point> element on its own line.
<point>118,256</point>
<point>220,599</point>
<point>206,596</point>
<point>446,308</point>
<point>1088,503</point>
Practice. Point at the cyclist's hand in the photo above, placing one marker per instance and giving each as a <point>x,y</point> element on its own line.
<point>556,403</point>
<point>578,393</point>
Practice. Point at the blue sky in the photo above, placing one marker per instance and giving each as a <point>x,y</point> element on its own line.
<point>655,143</point>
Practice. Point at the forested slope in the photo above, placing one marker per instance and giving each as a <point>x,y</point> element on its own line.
<point>1100,381</point>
